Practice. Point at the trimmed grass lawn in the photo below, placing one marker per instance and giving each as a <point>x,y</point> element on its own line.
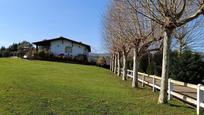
<point>39,87</point>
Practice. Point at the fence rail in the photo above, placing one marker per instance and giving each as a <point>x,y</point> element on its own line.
<point>187,92</point>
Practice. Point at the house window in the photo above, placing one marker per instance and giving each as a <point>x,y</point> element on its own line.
<point>68,49</point>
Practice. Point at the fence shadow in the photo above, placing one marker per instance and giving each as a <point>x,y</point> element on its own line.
<point>177,105</point>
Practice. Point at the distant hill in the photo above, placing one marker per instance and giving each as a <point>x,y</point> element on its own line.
<point>99,54</point>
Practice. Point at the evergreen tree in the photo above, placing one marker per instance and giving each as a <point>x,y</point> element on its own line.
<point>187,67</point>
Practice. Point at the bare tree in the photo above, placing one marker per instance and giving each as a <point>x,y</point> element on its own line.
<point>170,14</point>
<point>131,30</point>
<point>115,36</point>
<point>116,17</point>
<point>144,36</point>
<point>110,41</point>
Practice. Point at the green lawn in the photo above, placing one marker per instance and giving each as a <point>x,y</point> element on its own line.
<point>38,87</point>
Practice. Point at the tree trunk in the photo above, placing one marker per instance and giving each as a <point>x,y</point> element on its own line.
<point>165,67</point>
<point>124,66</point>
<point>115,64</point>
<point>180,49</point>
<point>119,66</point>
<point>112,62</point>
<point>135,68</point>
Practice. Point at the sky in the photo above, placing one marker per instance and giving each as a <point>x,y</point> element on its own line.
<point>34,20</point>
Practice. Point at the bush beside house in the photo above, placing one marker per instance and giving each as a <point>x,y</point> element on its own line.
<point>43,55</point>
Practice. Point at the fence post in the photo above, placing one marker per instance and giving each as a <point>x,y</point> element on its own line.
<point>200,98</point>
<point>143,80</point>
<point>153,82</point>
<point>170,88</point>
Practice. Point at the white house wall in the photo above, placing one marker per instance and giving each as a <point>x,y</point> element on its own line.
<point>77,49</point>
<point>58,47</point>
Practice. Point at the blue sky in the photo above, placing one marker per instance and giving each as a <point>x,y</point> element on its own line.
<point>34,20</point>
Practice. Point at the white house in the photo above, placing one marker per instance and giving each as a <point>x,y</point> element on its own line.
<point>63,46</point>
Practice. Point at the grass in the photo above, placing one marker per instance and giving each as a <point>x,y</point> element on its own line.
<point>39,87</point>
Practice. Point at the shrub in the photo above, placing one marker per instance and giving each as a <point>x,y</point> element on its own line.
<point>101,61</point>
<point>150,69</point>
<point>61,55</point>
<point>143,64</point>
<point>41,54</point>
<point>81,58</point>
<point>5,53</point>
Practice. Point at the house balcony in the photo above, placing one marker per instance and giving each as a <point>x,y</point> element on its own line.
<point>42,46</point>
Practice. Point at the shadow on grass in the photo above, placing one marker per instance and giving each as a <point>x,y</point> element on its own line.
<point>180,106</point>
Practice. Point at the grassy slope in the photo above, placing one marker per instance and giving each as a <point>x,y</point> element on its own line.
<point>37,87</point>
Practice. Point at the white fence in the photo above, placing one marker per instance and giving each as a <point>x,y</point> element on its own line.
<point>190,93</point>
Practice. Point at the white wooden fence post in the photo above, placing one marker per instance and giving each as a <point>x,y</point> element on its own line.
<point>154,83</point>
<point>200,98</point>
<point>143,80</point>
<point>170,88</point>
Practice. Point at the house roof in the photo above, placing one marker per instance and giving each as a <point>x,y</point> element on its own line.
<point>47,42</point>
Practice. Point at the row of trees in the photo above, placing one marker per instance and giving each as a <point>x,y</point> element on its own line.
<point>16,49</point>
<point>139,27</point>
